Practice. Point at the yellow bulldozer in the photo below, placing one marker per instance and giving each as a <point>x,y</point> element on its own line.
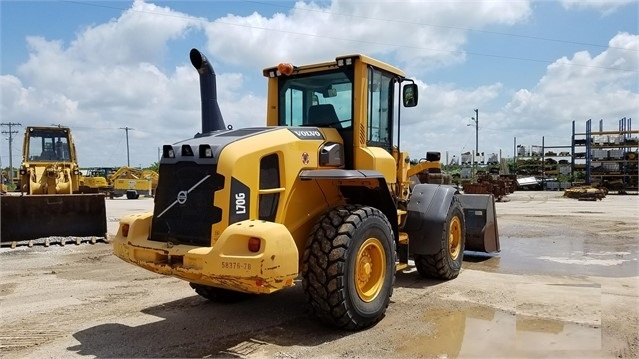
<point>322,192</point>
<point>50,202</point>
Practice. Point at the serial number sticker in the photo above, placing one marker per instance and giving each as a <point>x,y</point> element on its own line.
<point>236,265</point>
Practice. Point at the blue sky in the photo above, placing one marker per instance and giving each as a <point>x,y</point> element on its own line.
<point>530,67</point>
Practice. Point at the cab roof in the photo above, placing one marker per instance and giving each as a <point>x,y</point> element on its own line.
<point>272,71</point>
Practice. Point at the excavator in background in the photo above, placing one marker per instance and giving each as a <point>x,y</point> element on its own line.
<point>321,192</point>
<point>50,202</point>
<point>133,182</point>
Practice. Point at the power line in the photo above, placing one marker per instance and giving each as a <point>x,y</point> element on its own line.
<point>10,133</point>
<point>392,44</point>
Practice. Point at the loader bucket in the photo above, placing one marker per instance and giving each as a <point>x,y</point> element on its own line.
<point>481,222</point>
<point>38,216</point>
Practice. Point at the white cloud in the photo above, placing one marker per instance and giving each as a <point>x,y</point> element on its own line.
<point>605,7</point>
<point>580,88</point>
<point>603,86</point>
<point>107,78</point>
<point>416,33</point>
<point>110,76</point>
<point>442,120</point>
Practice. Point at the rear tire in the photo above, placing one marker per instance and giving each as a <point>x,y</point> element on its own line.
<point>348,268</point>
<point>219,295</point>
<point>446,264</point>
<point>132,195</point>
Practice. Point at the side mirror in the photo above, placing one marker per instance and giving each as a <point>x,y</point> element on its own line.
<point>409,95</point>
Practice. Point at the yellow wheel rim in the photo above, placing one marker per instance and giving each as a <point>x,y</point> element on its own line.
<point>370,269</point>
<point>454,238</point>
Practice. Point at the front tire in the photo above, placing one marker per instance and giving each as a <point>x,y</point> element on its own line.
<point>446,264</point>
<point>348,268</point>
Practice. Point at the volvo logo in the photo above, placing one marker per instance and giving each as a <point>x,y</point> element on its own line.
<point>307,134</point>
<point>181,197</point>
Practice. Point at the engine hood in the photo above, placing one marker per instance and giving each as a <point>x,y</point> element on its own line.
<point>196,149</point>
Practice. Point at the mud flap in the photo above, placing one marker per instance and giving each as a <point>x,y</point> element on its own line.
<point>38,216</point>
<point>481,222</point>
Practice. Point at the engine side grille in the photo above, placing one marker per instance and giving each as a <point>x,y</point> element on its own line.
<point>184,210</point>
<point>269,178</point>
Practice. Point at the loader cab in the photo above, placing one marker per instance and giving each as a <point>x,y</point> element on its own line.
<point>354,95</point>
<point>319,99</point>
<point>47,145</point>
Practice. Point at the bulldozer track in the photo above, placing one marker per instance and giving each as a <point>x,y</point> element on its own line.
<point>51,241</point>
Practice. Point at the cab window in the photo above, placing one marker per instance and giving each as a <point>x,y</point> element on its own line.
<point>48,146</point>
<point>321,100</point>
<point>380,95</point>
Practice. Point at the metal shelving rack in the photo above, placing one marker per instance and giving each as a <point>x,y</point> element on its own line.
<point>611,157</point>
<point>556,168</point>
<point>536,166</point>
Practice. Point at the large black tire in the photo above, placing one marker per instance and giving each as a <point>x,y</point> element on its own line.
<point>446,263</point>
<point>348,268</point>
<point>219,295</point>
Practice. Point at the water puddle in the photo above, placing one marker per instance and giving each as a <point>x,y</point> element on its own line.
<point>557,320</point>
<point>483,332</point>
<point>560,256</point>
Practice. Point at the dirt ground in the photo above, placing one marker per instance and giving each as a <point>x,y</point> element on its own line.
<point>564,286</point>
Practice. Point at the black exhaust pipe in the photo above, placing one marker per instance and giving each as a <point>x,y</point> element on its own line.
<point>211,116</point>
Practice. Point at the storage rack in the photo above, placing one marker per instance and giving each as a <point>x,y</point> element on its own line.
<point>545,163</point>
<point>530,162</point>
<point>611,157</point>
<point>556,164</point>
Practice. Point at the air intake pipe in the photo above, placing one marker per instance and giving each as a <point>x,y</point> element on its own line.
<point>211,116</point>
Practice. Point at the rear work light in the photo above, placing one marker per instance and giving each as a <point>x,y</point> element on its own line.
<point>344,62</point>
<point>167,151</point>
<point>187,151</point>
<point>205,151</point>
<point>254,244</point>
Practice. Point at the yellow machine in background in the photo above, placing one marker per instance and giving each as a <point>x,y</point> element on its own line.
<point>3,186</point>
<point>134,182</point>
<point>323,191</point>
<point>96,180</point>
<point>51,203</point>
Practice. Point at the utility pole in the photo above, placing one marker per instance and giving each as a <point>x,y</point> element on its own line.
<point>476,120</point>
<point>10,132</point>
<point>476,130</point>
<point>127,129</point>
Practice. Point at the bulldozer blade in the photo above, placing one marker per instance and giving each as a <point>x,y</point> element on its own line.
<point>481,222</point>
<point>38,216</point>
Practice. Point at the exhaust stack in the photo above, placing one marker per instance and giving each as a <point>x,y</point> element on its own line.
<point>211,116</point>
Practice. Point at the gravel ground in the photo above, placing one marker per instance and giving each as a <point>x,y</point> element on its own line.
<point>564,286</point>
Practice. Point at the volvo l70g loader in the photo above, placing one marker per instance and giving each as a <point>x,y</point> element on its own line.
<point>322,192</point>
<point>50,203</point>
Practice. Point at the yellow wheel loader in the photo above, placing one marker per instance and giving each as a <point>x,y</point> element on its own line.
<point>322,192</point>
<point>50,203</point>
